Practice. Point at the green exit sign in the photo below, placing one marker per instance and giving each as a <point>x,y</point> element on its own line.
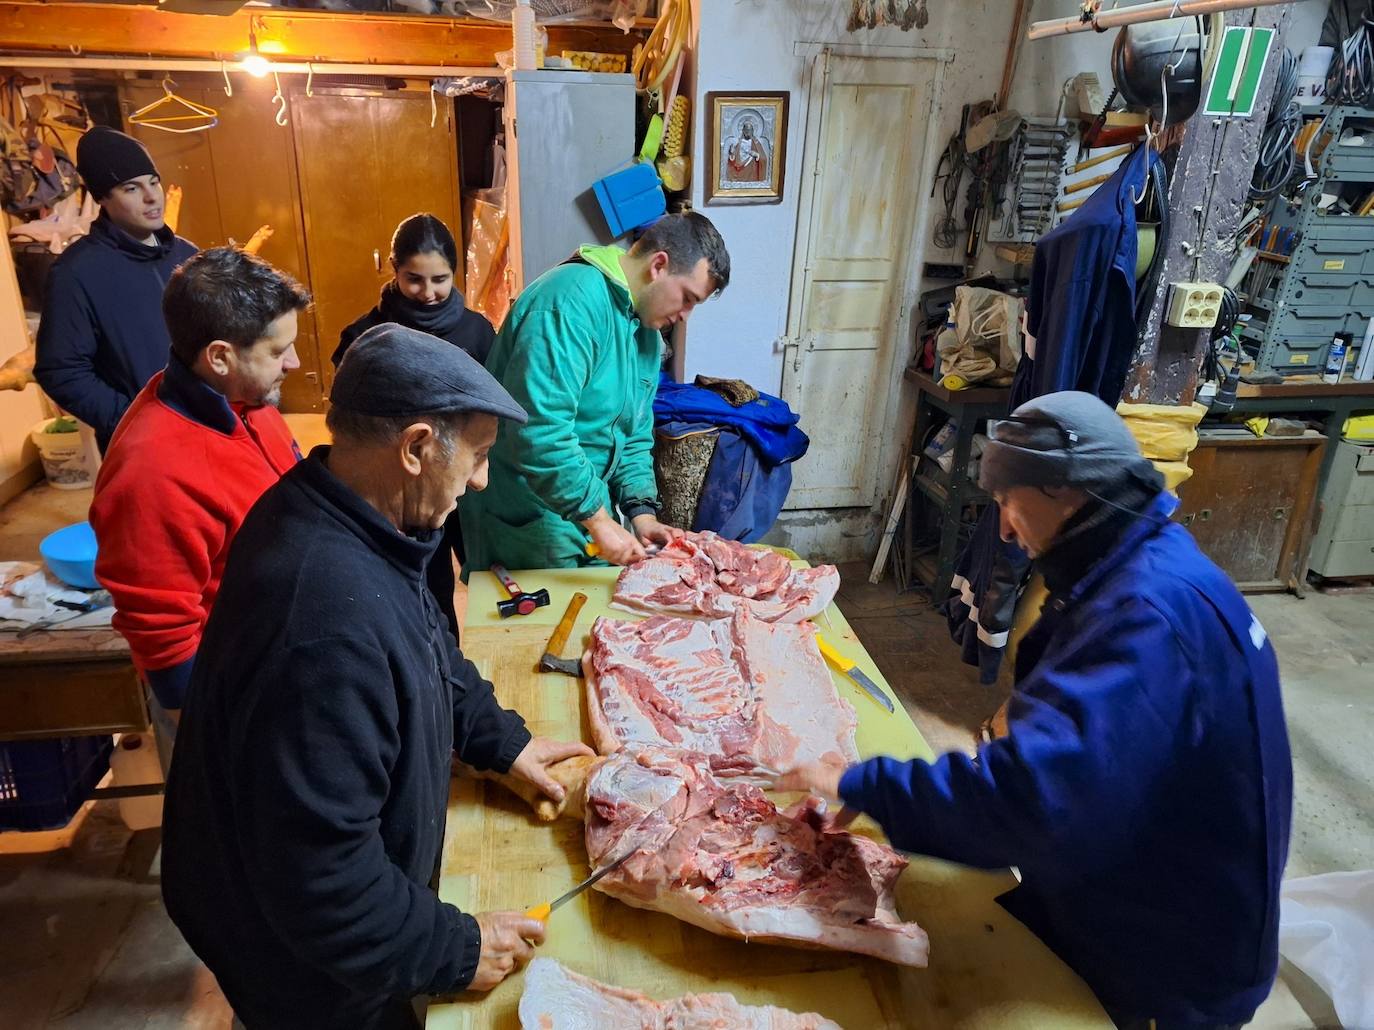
<point>1239,69</point>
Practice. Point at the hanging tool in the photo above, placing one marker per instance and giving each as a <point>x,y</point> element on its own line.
<point>519,602</point>
<point>856,674</point>
<point>542,912</point>
<point>550,661</point>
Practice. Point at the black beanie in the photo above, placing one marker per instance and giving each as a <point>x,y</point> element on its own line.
<point>106,157</point>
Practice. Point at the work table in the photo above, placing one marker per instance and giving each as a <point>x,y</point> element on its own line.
<point>986,969</point>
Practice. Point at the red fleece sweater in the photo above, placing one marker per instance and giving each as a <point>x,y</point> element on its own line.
<point>181,472</point>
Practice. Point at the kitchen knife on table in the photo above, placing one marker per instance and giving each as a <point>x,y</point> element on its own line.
<point>856,674</point>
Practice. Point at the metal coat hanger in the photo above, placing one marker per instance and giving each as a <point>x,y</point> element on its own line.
<point>169,100</point>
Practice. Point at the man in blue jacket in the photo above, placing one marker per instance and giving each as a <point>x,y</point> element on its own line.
<point>1144,788</point>
<point>102,336</point>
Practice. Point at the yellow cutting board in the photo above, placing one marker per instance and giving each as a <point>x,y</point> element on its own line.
<point>880,732</point>
<point>986,970</point>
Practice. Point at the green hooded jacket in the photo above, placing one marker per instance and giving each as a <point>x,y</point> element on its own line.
<point>573,354</point>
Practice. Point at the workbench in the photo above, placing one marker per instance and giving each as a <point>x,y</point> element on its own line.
<point>949,492</point>
<point>61,683</point>
<point>1336,401</point>
<point>986,969</point>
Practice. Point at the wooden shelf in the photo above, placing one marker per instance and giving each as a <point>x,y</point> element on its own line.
<point>973,395</point>
<point>1278,391</point>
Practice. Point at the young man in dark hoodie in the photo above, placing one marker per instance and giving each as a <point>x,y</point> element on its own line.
<point>1144,788</point>
<point>102,336</point>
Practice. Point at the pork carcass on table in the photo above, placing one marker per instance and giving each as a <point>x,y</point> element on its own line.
<point>703,575</point>
<point>750,694</point>
<point>556,998</point>
<point>725,858</point>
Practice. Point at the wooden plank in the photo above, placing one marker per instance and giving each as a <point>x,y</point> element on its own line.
<point>298,35</point>
<point>1325,391</point>
<point>973,395</point>
<point>1210,180</point>
<point>986,969</point>
<point>70,699</point>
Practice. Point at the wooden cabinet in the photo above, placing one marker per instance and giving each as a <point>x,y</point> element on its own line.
<point>333,183</point>
<point>367,161</point>
<point>1250,504</point>
<point>235,177</point>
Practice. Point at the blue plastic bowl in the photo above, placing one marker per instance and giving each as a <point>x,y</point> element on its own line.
<point>70,554</point>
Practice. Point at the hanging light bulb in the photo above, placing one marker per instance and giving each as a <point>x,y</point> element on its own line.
<point>253,62</point>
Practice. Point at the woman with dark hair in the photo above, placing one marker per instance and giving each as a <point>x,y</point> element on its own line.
<point>421,296</point>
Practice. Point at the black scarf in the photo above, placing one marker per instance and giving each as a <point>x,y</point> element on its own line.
<point>440,319</point>
<point>1092,531</point>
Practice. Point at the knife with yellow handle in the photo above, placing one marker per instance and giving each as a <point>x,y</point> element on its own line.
<point>854,673</point>
<point>542,912</point>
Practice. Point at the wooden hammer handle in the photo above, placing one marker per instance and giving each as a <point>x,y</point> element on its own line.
<point>560,634</point>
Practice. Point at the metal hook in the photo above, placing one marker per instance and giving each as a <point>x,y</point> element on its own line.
<point>228,86</point>
<point>75,48</point>
<point>169,85</point>
<point>310,80</point>
<point>279,100</point>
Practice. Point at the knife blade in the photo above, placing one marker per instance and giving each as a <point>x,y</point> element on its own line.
<point>542,912</point>
<point>856,674</point>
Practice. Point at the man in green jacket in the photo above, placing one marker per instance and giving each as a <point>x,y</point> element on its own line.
<point>580,351</point>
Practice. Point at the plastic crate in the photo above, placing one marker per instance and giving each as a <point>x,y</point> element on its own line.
<point>44,782</point>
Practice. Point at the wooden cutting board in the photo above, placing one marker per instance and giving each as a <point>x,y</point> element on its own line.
<point>986,970</point>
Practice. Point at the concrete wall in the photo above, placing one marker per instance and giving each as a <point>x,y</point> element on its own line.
<point>762,44</point>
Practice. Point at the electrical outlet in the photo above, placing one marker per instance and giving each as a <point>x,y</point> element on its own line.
<point>1194,305</point>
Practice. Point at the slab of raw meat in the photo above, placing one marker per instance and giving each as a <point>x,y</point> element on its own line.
<point>556,998</point>
<point>745,692</point>
<point>726,859</point>
<point>701,574</point>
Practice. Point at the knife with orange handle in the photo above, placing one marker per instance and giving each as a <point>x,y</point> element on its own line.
<point>542,912</point>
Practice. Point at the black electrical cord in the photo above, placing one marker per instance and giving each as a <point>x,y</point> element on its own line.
<point>1277,159</point>
<point>1229,314</point>
<point>1350,79</point>
<point>946,231</point>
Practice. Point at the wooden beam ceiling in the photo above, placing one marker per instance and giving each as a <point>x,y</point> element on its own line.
<point>298,35</point>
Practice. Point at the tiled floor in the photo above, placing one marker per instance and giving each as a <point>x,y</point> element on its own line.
<point>84,942</point>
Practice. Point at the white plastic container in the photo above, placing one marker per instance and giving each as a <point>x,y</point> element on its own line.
<point>67,458</point>
<point>1312,69</point>
<point>134,762</point>
<point>522,25</point>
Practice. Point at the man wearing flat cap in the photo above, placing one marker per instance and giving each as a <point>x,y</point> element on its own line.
<point>102,336</point>
<point>1144,788</point>
<point>305,806</point>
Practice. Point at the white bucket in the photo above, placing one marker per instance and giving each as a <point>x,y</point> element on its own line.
<point>1312,68</point>
<point>68,461</point>
<point>134,762</point>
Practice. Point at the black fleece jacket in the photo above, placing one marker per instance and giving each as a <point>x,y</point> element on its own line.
<point>102,336</point>
<point>305,807</point>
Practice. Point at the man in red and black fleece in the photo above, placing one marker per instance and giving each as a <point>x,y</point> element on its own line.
<point>197,448</point>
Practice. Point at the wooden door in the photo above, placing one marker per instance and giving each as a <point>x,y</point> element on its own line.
<point>366,161</point>
<point>861,181</point>
<point>236,177</point>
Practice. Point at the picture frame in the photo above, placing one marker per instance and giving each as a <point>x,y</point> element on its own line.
<point>746,147</point>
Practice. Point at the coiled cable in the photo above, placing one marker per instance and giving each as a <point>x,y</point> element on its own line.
<point>1277,159</point>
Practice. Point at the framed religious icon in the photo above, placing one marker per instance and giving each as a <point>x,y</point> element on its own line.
<point>746,143</point>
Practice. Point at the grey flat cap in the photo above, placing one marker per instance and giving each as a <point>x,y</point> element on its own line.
<point>1061,439</point>
<point>392,370</point>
